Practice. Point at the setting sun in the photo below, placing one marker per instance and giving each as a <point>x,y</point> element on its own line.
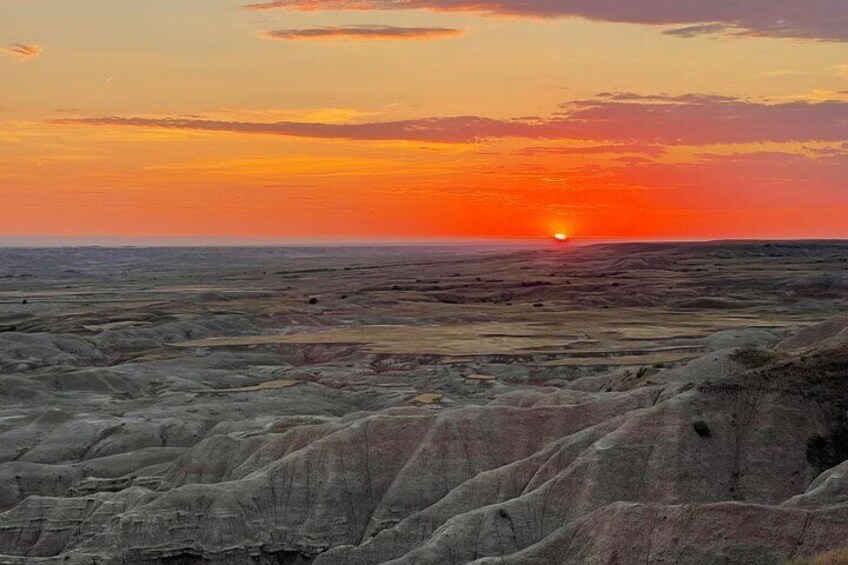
<point>560,237</point>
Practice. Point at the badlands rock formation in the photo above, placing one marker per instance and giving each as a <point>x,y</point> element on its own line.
<point>647,404</point>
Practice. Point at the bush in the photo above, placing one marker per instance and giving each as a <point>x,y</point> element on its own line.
<point>702,429</point>
<point>824,452</point>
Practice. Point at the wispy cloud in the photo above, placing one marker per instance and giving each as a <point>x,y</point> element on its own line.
<point>825,20</point>
<point>612,118</point>
<point>25,51</point>
<point>363,33</point>
<point>619,149</point>
<point>695,30</point>
<point>787,73</point>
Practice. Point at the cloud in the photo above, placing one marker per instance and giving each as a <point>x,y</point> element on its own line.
<point>786,73</point>
<point>840,71</point>
<point>613,118</point>
<point>692,97</point>
<point>25,51</point>
<point>838,151</point>
<point>695,30</point>
<point>622,149</point>
<point>363,33</point>
<point>825,20</point>
<point>448,130</point>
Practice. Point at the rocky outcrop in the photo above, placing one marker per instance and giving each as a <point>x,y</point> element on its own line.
<point>550,476</point>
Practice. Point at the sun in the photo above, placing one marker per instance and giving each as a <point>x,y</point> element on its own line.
<point>560,237</point>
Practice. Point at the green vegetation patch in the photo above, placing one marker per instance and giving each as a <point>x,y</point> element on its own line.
<point>753,358</point>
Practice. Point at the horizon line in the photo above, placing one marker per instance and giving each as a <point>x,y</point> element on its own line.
<point>11,242</point>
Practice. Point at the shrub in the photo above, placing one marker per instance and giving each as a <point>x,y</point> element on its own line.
<point>753,358</point>
<point>824,452</point>
<point>702,429</point>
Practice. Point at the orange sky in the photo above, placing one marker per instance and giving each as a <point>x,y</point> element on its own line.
<point>423,118</point>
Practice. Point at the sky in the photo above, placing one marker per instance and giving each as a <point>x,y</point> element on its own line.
<point>690,119</point>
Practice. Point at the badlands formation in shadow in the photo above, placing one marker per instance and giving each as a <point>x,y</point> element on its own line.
<point>610,404</point>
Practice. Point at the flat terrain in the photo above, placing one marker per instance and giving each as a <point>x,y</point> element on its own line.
<point>632,403</point>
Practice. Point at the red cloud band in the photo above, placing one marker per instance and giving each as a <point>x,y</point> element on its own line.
<point>611,118</point>
<point>363,33</point>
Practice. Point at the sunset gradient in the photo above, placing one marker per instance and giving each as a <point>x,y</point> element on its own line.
<point>424,118</point>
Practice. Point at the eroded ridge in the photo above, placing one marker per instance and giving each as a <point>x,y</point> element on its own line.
<point>664,403</point>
